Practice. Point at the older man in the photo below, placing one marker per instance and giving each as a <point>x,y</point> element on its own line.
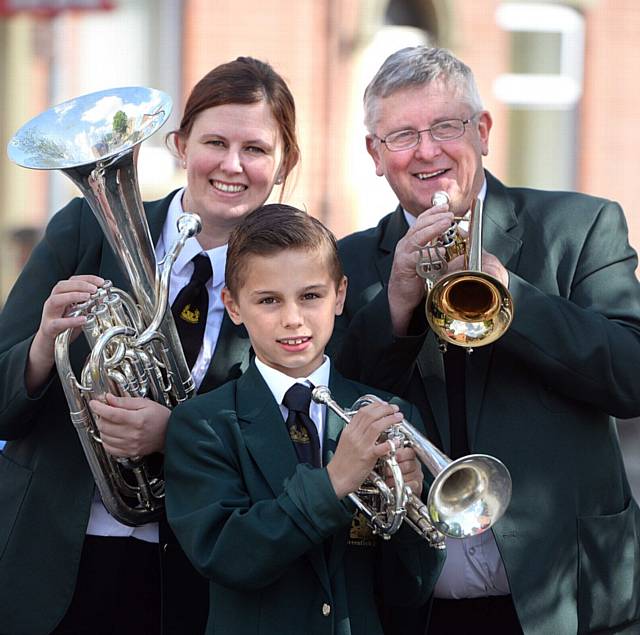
<point>565,558</point>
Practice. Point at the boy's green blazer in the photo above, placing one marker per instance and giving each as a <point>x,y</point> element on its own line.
<point>540,398</point>
<point>268,532</point>
<point>46,486</point>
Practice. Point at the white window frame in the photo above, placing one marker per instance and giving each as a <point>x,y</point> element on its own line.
<point>560,91</point>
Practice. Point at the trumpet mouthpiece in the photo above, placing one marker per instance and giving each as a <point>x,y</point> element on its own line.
<point>439,198</point>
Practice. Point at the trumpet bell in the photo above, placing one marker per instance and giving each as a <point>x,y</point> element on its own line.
<point>469,309</point>
<point>469,496</point>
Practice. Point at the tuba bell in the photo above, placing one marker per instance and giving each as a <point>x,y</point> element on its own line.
<point>467,308</point>
<point>467,497</point>
<point>135,349</point>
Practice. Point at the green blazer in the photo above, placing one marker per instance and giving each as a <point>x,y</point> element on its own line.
<point>541,398</point>
<point>46,486</point>
<point>268,532</point>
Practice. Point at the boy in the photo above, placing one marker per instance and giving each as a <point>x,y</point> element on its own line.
<point>259,505</point>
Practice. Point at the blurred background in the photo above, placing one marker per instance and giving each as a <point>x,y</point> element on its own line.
<point>558,77</point>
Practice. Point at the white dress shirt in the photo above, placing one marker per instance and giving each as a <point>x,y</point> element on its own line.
<point>279,383</point>
<point>101,523</point>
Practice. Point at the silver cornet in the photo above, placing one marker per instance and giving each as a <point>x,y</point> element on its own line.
<point>468,495</point>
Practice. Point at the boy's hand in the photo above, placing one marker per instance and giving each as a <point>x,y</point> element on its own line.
<point>358,448</point>
<point>411,470</point>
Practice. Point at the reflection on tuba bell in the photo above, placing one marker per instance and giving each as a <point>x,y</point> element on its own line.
<point>467,308</point>
<point>135,349</point>
<point>468,495</point>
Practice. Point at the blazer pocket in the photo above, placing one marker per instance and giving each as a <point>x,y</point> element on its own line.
<point>609,570</point>
<point>14,484</point>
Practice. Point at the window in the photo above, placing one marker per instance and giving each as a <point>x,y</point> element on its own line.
<point>543,92</point>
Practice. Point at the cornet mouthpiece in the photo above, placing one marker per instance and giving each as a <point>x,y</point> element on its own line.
<point>439,198</point>
<point>321,394</point>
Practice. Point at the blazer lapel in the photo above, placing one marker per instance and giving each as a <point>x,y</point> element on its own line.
<point>344,394</point>
<point>231,357</point>
<point>429,360</point>
<point>268,442</point>
<point>393,232</point>
<point>431,367</point>
<point>500,238</point>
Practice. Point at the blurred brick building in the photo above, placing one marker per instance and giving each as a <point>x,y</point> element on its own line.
<point>558,78</point>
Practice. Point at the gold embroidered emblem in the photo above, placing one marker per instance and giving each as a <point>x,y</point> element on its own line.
<point>193,317</point>
<point>360,533</point>
<point>299,435</point>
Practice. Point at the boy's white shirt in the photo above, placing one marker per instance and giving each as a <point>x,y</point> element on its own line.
<point>279,383</point>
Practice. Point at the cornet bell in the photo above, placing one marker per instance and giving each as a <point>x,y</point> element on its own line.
<point>469,495</point>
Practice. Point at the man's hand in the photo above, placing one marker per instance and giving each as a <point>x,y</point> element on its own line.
<point>406,287</point>
<point>411,470</point>
<point>490,265</point>
<point>358,448</point>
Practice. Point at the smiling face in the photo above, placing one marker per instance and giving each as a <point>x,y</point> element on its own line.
<point>288,302</point>
<point>232,155</point>
<point>453,166</point>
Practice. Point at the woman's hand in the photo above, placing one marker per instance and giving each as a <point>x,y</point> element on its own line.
<point>131,426</point>
<point>55,319</point>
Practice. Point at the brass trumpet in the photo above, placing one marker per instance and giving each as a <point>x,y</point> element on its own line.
<point>467,308</point>
<point>468,496</point>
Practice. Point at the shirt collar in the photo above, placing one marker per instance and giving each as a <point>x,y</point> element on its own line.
<point>411,219</point>
<point>279,383</point>
<point>217,255</point>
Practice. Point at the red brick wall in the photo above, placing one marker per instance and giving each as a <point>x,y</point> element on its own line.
<point>609,162</point>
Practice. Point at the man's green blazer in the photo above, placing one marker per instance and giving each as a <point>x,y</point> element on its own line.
<point>541,398</point>
<point>269,533</point>
<point>46,486</point>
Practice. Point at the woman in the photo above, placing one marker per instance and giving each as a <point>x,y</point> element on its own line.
<point>65,564</point>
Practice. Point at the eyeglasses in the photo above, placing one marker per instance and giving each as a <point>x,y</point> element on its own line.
<point>447,130</point>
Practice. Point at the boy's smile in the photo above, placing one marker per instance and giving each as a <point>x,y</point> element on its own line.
<point>288,302</point>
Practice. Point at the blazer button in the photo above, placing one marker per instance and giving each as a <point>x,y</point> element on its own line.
<point>326,609</point>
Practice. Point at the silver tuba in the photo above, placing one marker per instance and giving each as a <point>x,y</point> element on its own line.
<point>467,308</point>
<point>135,349</point>
<point>467,497</point>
